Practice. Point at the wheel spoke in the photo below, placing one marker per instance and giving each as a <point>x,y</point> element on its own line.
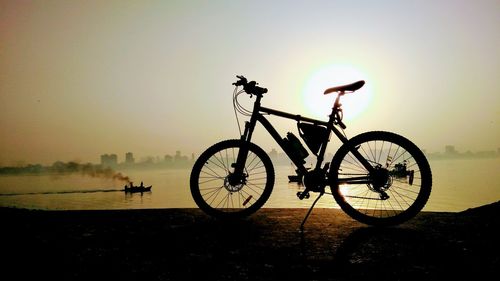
<point>394,191</point>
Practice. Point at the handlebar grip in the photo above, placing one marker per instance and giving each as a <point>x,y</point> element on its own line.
<point>249,87</point>
<point>241,82</point>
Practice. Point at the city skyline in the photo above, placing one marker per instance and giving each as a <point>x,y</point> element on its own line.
<point>112,160</point>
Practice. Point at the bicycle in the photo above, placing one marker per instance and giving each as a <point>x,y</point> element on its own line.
<point>376,177</point>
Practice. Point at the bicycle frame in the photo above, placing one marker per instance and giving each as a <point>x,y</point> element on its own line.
<point>258,115</point>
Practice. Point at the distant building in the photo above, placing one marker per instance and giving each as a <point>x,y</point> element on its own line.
<point>273,154</point>
<point>450,150</point>
<point>129,158</point>
<point>179,158</point>
<point>109,160</point>
<point>168,159</point>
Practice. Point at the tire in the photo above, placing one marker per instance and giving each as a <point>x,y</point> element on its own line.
<point>407,180</point>
<point>210,185</point>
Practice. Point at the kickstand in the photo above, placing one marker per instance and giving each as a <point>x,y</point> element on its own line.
<point>309,212</point>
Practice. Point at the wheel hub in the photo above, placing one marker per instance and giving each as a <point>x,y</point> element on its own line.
<point>234,183</point>
<point>381,181</point>
<point>381,178</point>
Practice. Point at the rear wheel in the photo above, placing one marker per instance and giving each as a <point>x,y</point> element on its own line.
<point>221,193</point>
<point>397,188</point>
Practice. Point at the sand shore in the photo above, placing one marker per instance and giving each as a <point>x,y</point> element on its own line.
<point>186,244</point>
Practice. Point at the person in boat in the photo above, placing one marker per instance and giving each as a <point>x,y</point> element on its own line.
<point>131,185</point>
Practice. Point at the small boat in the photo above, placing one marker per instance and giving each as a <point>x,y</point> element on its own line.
<point>141,188</point>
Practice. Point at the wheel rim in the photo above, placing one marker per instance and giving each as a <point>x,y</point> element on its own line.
<point>220,189</point>
<point>396,184</point>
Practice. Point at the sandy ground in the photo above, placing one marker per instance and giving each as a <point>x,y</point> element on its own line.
<point>186,244</point>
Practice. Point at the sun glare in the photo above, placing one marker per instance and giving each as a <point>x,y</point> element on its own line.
<point>319,105</point>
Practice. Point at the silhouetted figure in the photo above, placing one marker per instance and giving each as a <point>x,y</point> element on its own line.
<point>141,188</point>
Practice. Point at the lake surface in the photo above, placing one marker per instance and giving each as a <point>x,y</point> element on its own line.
<point>458,184</point>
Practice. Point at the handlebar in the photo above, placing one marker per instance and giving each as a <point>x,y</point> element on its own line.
<point>251,87</point>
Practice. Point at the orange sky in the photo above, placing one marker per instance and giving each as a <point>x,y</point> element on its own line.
<point>82,78</point>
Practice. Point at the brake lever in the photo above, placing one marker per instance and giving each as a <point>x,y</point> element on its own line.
<point>242,81</point>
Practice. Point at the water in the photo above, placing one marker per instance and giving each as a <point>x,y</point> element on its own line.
<point>457,185</point>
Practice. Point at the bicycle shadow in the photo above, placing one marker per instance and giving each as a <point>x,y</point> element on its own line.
<point>381,252</point>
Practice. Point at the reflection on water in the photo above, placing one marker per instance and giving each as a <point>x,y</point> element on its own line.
<point>457,185</point>
<point>62,192</point>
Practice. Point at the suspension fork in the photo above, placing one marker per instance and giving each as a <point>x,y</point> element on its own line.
<point>245,139</point>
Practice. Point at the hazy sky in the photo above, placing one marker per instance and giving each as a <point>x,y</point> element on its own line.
<point>82,78</point>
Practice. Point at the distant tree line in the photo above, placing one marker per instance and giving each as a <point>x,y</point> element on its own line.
<point>60,167</point>
<point>28,169</point>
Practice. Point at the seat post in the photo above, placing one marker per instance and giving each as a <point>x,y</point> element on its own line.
<point>337,103</point>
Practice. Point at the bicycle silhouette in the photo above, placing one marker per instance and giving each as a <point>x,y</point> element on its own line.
<point>377,177</point>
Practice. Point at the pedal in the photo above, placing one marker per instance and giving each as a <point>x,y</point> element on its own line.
<point>303,195</point>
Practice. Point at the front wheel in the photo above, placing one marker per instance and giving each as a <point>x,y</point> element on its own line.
<point>221,193</point>
<point>396,189</point>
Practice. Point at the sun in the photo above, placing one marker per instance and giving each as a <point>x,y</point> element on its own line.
<point>318,105</point>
